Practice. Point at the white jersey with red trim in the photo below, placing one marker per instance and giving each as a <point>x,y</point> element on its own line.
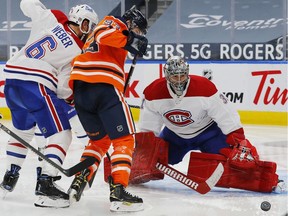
<point>198,108</point>
<point>47,55</point>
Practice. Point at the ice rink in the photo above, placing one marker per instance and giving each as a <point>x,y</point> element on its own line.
<point>161,198</point>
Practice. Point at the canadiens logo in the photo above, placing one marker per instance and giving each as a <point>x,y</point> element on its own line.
<point>179,117</point>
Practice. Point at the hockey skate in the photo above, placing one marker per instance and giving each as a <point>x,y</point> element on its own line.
<point>121,200</point>
<point>78,185</point>
<point>10,179</point>
<point>280,187</point>
<point>49,194</point>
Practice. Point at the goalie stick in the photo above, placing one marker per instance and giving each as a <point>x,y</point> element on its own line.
<point>201,187</point>
<point>68,172</point>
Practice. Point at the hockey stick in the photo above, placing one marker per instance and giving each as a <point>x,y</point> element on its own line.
<point>68,172</point>
<point>134,106</point>
<point>130,73</point>
<point>202,187</point>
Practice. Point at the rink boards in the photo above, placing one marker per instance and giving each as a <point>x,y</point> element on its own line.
<point>258,89</point>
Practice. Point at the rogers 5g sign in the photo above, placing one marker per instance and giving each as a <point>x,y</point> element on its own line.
<point>216,51</point>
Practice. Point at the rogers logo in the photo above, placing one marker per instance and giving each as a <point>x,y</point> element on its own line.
<point>203,20</point>
<point>179,117</point>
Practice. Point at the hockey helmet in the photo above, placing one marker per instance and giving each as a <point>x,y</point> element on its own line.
<point>137,19</point>
<point>82,12</point>
<point>176,71</point>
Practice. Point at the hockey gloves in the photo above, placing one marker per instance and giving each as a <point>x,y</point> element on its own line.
<point>242,154</point>
<point>136,44</point>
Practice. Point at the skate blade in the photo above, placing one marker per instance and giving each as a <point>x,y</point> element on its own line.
<point>3,192</point>
<point>280,188</point>
<point>73,196</point>
<point>126,207</point>
<point>47,202</point>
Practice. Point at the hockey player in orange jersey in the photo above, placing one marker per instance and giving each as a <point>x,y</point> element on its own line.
<point>98,79</point>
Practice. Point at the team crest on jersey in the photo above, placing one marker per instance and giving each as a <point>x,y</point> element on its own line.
<point>179,117</point>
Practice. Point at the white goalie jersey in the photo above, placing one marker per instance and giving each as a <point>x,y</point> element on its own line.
<point>47,55</point>
<point>199,107</point>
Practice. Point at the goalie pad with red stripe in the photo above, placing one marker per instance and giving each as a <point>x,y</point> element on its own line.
<point>262,178</point>
<point>149,150</point>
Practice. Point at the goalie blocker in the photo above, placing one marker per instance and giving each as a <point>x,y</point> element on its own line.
<point>150,150</point>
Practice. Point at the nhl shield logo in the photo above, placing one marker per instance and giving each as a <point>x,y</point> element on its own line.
<point>208,74</point>
<point>120,128</point>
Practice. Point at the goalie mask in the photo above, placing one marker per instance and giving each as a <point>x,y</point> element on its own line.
<point>176,72</point>
<point>79,13</point>
<point>137,19</point>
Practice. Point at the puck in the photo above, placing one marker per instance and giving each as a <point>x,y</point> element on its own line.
<point>265,206</point>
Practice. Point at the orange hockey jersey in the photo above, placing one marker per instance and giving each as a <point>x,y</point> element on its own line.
<point>103,57</point>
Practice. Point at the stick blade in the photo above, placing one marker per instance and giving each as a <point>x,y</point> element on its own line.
<point>206,186</point>
<point>68,172</point>
<point>214,178</point>
<point>80,166</point>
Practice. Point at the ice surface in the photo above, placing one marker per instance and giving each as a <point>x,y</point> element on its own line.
<point>161,198</point>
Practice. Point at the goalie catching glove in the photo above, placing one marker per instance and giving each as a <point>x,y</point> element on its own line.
<point>243,154</point>
<point>136,44</point>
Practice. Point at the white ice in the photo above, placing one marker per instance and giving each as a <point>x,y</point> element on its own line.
<point>161,198</point>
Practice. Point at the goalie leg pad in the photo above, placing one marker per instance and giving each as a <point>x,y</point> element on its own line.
<point>262,178</point>
<point>149,150</point>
